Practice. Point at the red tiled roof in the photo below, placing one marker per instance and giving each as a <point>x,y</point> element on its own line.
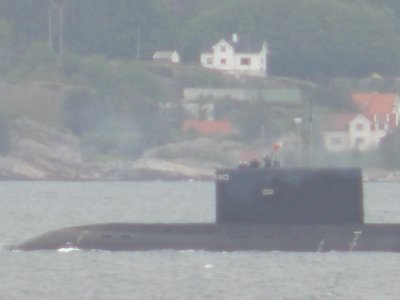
<point>375,103</point>
<point>207,127</point>
<point>339,122</point>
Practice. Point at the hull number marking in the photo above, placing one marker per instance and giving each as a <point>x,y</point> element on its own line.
<point>223,177</point>
<point>267,192</point>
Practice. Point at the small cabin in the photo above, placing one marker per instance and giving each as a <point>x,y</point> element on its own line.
<point>166,57</point>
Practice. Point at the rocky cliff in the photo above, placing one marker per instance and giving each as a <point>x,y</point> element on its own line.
<point>41,153</point>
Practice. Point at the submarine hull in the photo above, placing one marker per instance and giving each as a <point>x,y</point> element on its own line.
<point>312,210</point>
<point>220,237</point>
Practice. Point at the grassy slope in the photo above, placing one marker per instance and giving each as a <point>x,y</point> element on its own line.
<point>40,99</point>
<point>37,100</point>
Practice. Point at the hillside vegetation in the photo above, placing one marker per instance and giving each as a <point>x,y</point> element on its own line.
<point>114,107</point>
<point>93,77</point>
<point>307,38</point>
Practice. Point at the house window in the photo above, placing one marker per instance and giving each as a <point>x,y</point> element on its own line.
<point>336,140</point>
<point>245,61</point>
<point>359,141</point>
<point>359,126</point>
<point>223,61</point>
<point>223,48</point>
<point>209,60</point>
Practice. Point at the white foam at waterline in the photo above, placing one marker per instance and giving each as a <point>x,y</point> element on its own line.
<point>8,247</point>
<point>67,250</point>
<point>187,251</point>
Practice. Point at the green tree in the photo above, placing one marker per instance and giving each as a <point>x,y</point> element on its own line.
<point>389,150</point>
<point>6,50</point>
<point>4,135</point>
<point>84,110</point>
<point>39,55</point>
<point>121,28</point>
<point>28,20</point>
<point>310,39</point>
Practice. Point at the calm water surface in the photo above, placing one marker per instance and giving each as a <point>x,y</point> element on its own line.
<point>30,208</point>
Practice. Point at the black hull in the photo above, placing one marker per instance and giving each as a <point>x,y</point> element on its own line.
<point>221,237</point>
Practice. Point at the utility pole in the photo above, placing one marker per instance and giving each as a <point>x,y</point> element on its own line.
<point>311,132</point>
<point>299,154</point>
<point>61,26</point>
<point>138,41</point>
<point>261,102</point>
<point>55,23</point>
<point>50,23</point>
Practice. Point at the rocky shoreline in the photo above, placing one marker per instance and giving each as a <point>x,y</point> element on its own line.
<point>42,154</point>
<point>134,171</point>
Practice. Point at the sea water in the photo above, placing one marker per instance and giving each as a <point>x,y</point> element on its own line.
<point>31,208</point>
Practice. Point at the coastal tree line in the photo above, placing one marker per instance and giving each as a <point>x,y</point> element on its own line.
<point>307,39</point>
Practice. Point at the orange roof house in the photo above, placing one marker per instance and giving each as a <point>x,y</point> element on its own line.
<point>380,107</point>
<point>378,114</point>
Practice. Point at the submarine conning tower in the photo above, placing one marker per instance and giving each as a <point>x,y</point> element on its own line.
<point>289,196</point>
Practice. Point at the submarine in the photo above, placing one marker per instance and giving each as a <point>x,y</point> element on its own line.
<point>257,209</point>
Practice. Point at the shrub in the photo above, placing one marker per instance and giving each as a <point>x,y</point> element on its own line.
<point>96,72</point>
<point>70,65</point>
<point>113,141</point>
<point>389,150</point>
<point>4,135</point>
<point>39,55</point>
<point>84,109</point>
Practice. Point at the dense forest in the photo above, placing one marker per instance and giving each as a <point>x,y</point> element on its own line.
<point>307,39</point>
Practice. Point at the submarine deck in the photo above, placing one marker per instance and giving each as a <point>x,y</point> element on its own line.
<point>221,237</point>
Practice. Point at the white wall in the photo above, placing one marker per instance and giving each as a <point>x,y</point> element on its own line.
<point>230,61</point>
<point>190,94</point>
<point>175,58</point>
<point>336,141</point>
<point>361,138</point>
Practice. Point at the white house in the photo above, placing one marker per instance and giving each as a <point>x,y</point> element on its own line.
<point>349,132</point>
<point>166,57</point>
<point>237,56</point>
<point>363,131</point>
<point>354,132</point>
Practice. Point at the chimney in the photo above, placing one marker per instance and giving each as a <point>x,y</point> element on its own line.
<point>235,38</point>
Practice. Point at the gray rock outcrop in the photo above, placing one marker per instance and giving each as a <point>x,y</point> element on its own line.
<point>41,153</point>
